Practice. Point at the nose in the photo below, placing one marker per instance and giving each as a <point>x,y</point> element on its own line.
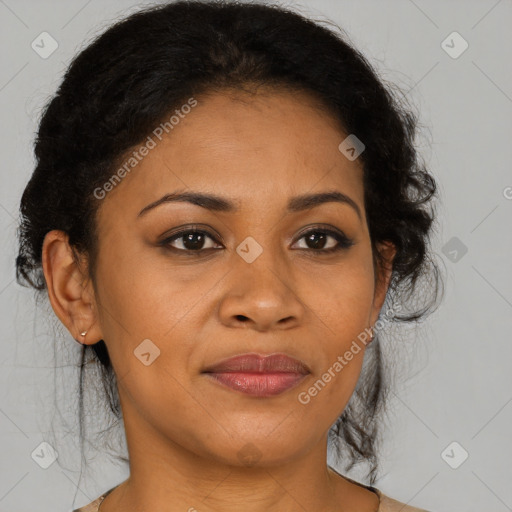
<point>260,297</point>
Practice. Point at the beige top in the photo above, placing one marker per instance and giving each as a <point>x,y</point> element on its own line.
<point>386,504</point>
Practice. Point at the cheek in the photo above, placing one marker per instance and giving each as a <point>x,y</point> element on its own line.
<point>147,298</point>
<point>341,295</point>
<point>326,394</point>
<point>146,321</point>
<point>141,294</point>
<point>149,306</point>
<point>342,303</point>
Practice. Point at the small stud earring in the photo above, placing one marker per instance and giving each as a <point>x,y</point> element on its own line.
<point>83,333</point>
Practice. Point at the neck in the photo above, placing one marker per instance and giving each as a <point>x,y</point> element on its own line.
<point>168,476</point>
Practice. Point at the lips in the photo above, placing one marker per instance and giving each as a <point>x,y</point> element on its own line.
<point>255,363</point>
<point>258,375</point>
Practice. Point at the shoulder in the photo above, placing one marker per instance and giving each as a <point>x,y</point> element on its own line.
<point>388,504</point>
<point>92,507</point>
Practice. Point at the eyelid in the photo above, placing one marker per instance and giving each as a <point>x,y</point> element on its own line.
<point>343,241</point>
<point>187,228</point>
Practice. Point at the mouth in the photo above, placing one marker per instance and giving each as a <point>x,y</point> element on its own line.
<point>259,375</point>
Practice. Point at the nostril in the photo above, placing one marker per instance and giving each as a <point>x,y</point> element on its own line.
<point>242,318</point>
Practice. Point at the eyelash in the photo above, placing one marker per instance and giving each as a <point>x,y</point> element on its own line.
<point>343,241</point>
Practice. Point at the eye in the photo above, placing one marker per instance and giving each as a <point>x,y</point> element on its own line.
<point>318,239</point>
<point>193,241</point>
<point>189,240</point>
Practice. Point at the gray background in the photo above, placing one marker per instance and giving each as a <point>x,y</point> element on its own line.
<point>456,384</point>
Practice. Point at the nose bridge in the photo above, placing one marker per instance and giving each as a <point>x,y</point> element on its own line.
<point>262,264</point>
<point>261,290</point>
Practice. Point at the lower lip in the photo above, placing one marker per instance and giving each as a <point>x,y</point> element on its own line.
<point>258,384</point>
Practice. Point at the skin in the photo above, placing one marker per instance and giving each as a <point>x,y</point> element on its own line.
<point>184,432</point>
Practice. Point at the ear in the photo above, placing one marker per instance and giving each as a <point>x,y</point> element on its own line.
<point>70,292</point>
<point>383,276</point>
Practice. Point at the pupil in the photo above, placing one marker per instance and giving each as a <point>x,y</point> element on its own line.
<point>190,242</point>
<point>320,236</point>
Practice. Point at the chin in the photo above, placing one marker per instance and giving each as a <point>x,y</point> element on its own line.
<point>259,450</point>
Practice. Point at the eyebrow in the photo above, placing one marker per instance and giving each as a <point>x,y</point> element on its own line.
<point>219,204</point>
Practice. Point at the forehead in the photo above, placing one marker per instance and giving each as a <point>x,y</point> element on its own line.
<point>258,149</point>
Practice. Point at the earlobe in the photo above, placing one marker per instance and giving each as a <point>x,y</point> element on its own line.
<point>68,288</point>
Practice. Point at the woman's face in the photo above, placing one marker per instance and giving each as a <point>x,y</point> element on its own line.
<point>256,282</point>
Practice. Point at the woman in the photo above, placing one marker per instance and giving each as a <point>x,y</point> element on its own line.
<point>224,198</point>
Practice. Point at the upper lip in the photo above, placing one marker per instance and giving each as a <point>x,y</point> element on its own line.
<point>257,363</point>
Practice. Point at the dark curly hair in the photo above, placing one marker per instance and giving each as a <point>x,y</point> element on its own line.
<point>142,68</point>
